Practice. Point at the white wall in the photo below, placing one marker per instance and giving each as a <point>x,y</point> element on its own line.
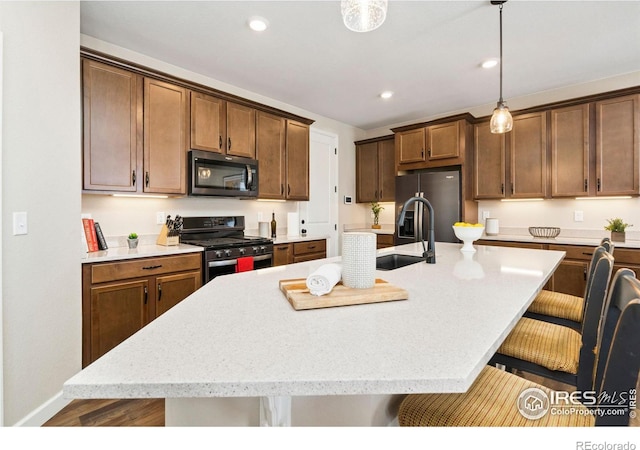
<point>140,213</point>
<point>41,175</point>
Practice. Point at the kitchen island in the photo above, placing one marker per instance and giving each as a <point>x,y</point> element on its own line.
<point>237,340</point>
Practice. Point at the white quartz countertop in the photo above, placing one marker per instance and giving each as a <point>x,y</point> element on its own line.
<point>238,336</point>
<point>142,251</point>
<point>284,239</point>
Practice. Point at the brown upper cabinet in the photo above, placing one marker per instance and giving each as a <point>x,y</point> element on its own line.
<point>208,123</point>
<point>241,130</point>
<point>439,144</point>
<point>375,170</point>
<point>282,150</point>
<point>511,165</point>
<point>618,146</point>
<point>134,132</point>
<point>112,127</point>
<point>570,160</point>
<point>527,147</point>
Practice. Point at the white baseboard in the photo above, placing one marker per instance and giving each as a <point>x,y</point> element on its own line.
<point>44,412</point>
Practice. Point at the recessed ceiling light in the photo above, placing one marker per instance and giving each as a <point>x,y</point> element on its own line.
<point>489,63</point>
<point>258,23</point>
<point>386,94</point>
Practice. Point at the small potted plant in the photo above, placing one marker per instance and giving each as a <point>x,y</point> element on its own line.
<point>617,227</point>
<point>132,240</point>
<point>375,209</point>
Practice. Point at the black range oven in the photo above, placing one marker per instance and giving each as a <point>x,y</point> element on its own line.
<point>225,244</point>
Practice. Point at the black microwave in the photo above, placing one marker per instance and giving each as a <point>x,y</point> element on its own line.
<point>214,174</point>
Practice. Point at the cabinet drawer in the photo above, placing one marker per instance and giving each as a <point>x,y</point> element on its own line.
<point>574,251</point>
<point>309,257</point>
<point>626,256</point>
<point>384,240</point>
<point>121,270</point>
<point>303,248</point>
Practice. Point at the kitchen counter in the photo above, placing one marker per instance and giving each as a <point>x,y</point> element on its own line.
<point>142,251</point>
<point>590,241</point>
<point>238,337</point>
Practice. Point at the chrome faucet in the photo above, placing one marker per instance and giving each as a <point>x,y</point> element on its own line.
<point>429,253</point>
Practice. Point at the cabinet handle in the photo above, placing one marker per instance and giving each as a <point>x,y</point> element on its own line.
<point>512,187</point>
<point>229,146</point>
<point>598,185</point>
<point>146,295</point>
<point>502,188</point>
<point>586,185</point>
<point>159,292</point>
<point>375,194</point>
<point>311,247</point>
<point>281,189</point>
<point>288,189</point>
<point>422,153</point>
<point>152,267</point>
<point>587,253</point>
<point>283,248</point>
<point>220,141</point>
<point>380,194</point>
<point>429,153</point>
<point>584,273</point>
<point>146,179</point>
<point>133,177</point>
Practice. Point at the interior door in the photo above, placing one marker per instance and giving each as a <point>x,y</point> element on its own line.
<point>320,213</point>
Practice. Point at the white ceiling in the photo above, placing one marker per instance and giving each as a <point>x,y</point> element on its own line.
<point>427,52</point>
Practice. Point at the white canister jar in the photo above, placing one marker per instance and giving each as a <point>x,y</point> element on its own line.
<point>359,260</point>
<point>491,227</point>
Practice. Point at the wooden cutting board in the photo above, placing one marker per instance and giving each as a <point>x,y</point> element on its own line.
<point>298,294</point>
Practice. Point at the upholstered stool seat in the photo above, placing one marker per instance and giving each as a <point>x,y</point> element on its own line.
<point>491,401</point>
<point>543,343</point>
<point>558,304</point>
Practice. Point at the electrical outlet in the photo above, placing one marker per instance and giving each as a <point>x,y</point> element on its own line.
<point>260,217</point>
<point>578,216</point>
<point>485,215</point>
<point>19,223</point>
<point>160,218</point>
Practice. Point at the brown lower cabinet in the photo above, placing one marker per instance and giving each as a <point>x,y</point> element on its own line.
<point>571,275</point>
<point>121,297</point>
<point>295,252</point>
<point>384,240</point>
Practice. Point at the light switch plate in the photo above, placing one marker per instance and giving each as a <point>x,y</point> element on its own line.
<point>20,223</point>
<point>160,218</point>
<point>578,216</point>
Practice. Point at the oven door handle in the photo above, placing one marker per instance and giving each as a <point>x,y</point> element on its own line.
<point>233,262</point>
<point>249,178</point>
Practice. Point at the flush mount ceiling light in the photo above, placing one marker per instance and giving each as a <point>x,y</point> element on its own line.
<point>258,23</point>
<point>386,95</point>
<point>363,15</point>
<point>501,120</point>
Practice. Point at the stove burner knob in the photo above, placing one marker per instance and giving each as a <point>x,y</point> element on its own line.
<point>255,250</point>
<point>218,254</point>
<point>263,249</point>
<point>242,251</point>
<point>227,253</point>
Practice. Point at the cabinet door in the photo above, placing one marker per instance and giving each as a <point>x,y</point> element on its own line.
<point>528,151</point>
<point>443,141</point>
<point>367,172</point>
<point>111,103</point>
<point>116,312</point>
<point>208,123</point>
<point>282,254</point>
<point>241,130</point>
<point>297,161</point>
<point>571,278</point>
<point>270,152</point>
<point>570,151</point>
<point>172,289</point>
<point>618,146</point>
<point>488,163</point>
<point>386,171</point>
<point>165,114</point>
<point>410,146</point>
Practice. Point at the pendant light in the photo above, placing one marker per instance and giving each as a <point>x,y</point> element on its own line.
<point>363,15</point>
<point>501,120</point>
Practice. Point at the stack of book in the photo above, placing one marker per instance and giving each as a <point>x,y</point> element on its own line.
<point>94,237</point>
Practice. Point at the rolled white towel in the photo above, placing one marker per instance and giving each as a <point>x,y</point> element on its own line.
<point>324,278</point>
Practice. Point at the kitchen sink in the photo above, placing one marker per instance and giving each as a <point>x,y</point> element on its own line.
<point>396,261</point>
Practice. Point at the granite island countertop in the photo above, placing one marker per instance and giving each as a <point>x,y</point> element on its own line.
<point>238,336</point>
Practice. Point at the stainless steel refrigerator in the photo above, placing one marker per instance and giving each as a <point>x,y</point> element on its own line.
<point>442,190</point>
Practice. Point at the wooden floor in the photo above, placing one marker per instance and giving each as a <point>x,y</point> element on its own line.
<point>110,413</point>
<point>150,412</point>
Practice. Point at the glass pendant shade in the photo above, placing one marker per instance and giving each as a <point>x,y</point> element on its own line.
<point>501,120</point>
<point>363,15</point>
